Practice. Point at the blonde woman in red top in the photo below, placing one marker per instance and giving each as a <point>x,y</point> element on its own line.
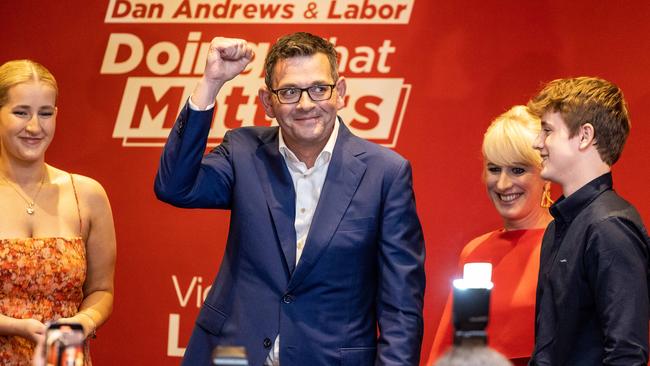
<point>521,197</point>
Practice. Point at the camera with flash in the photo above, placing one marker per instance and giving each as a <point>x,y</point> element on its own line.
<point>471,304</point>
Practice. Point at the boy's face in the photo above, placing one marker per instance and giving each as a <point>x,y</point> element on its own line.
<point>559,151</point>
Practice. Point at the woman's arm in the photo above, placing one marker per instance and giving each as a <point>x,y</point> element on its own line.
<point>97,304</point>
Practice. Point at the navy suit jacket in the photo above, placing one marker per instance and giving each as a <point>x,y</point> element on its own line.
<point>356,295</point>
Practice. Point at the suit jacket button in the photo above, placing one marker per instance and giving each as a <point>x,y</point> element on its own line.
<point>287,299</point>
<point>267,343</point>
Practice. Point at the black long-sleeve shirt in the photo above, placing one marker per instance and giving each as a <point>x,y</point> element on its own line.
<point>592,295</point>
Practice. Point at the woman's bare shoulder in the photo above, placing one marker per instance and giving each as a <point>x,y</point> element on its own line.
<point>89,188</point>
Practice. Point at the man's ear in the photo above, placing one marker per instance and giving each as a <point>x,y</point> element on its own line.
<point>340,93</point>
<point>587,135</point>
<point>266,97</point>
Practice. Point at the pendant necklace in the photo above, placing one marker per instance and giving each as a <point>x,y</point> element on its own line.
<point>30,204</point>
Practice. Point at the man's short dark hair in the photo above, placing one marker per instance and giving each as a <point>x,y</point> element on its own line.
<point>295,45</point>
<point>588,100</point>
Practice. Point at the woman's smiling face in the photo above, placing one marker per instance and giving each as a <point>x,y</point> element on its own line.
<point>27,121</point>
<point>516,192</point>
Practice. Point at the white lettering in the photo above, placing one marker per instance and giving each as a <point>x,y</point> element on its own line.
<point>260,11</point>
<point>110,65</point>
<point>163,58</point>
<point>384,50</point>
<point>150,105</point>
<point>165,67</point>
<point>173,348</point>
<point>199,291</point>
<point>190,53</point>
<point>363,59</point>
<point>363,62</point>
<point>183,299</point>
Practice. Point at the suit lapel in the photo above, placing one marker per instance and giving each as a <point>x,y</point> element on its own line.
<point>280,195</point>
<point>343,176</point>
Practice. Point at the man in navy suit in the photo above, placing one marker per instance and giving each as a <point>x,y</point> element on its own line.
<point>324,263</point>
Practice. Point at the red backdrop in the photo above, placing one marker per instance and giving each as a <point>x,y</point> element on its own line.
<point>426,79</point>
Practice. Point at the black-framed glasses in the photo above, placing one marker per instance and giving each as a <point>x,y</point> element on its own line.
<point>292,95</point>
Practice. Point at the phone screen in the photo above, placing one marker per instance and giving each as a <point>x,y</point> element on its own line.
<point>64,344</point>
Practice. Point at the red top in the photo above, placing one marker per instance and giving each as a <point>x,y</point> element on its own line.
<point>515,264</point>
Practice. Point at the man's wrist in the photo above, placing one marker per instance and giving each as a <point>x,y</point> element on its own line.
<point>205,92</point>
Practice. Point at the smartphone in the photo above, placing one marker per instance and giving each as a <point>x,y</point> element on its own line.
<point>64,344</point>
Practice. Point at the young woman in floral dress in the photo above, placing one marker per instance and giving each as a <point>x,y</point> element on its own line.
<point>57,240</point>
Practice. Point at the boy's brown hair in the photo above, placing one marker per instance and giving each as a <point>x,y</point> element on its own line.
<point>588,100</point>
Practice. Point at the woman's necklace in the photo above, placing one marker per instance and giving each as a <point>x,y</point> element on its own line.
<point>30,204</point>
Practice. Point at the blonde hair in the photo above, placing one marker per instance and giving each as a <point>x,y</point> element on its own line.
<point>509,139</point>
<point>17,72</point>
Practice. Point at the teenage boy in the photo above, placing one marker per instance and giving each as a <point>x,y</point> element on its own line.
<point>592,292</point>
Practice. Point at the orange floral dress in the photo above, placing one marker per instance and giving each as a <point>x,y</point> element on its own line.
<point>40,278</point>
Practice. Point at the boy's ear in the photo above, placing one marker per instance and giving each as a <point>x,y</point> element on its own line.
<point>587,135</point>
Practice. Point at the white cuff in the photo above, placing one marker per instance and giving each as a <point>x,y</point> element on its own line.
<point>194,107</point>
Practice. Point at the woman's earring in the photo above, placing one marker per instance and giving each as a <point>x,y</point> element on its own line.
<point>547,201</point>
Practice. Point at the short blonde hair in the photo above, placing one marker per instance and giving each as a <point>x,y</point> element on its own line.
<point>509,139</point>
<point>17,72</point>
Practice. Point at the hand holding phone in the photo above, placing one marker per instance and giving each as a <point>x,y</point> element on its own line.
<point>64,345</point>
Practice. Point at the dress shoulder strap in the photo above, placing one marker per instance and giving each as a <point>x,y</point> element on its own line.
<point>76,198</point>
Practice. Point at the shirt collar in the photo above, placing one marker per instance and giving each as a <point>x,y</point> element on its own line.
<point>326,153</point>
<point>565,209</point>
